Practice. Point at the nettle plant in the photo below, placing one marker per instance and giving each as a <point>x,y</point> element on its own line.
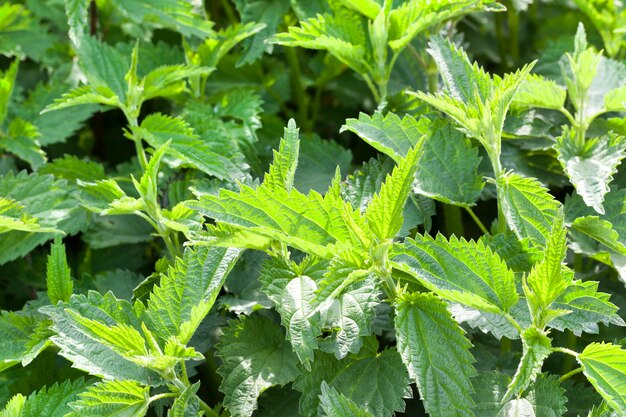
<point>338,301</point>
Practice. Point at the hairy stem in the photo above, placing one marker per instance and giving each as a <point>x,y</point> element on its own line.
<point>571,373</point>
<point>479,223</point>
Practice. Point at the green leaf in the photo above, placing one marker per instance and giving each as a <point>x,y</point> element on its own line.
<point>219,44</point>
<point>58,279</point>
<point>158,128</point>
<point>14,407</point>
<point>123,398</point>
<point>255,357</point>
<point>448,167</point>
<point>335,404</point>
<point>14,217</point>
<point>50,201</point>
<point>388,134</point>
<point>604,365</point>
<point>53,401</point>
<point>538,92</point>
<point>528,207</point>
<point>78,340</point>
<point>384,213</point>
<point>16,333</point>
<point>518,255</point>
<point>269,13</point>
<point>587,307</point>
<point>7,83</point>
<point>187,404</point>
<point>169,80</point>
<point>591,169</point>
<point>190,287</point>
<point>436,354</point>
<point>22,140</point>
<point>72,168</point>
<point>77,12</point>
<point>318,160</point>
<point>104,66</point>
<point>537,346</point>
<point>467,272</point>
<point>282,171</point>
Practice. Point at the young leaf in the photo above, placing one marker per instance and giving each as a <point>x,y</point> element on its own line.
<point>591,169</point>
<point>463,271</point>
<point>388,134</point>
<point>22,140</point>
<point>187,404</point>
<point>104,66</point>
<point>121,398</point>
<point>7,83</point>
<point>16,333</point>
<point>538,92</point>
<point>189,289</point>
<point>255,357</point>
<point>537,346</point>
<point>58,279</point>
<point>283,169</point>
<point>528,207</point>
<point>14,217</point>
<point>384,213</point>
<point>335,404</point>
<point>604,365</point>
<point>436,354</point>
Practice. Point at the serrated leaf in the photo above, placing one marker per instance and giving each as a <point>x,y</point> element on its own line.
<point>104,66</point>
<point>388,134</point>
<point>16,330</point>
<point>54,400</point>
<point>601,231</point>
<point>58,279</point>
<point>283,169</point>
<point>537,346</point>
<point>318,160</point>
<point>463,271</point>
<point>72,168</point>
<point>528,207</point>
<point>123,398</point>
<point>518,255</point>
<point>384,213</point>
<point>158,128</point>
<point>50,201</point>
<point>14,407</point>
<point>604,365</point>
<point>335,404</point>
<point>539,92</point>
<point>77,19</point>
<point>448,167</point>
<point>14,217</point>
<point>255,357</point>
<point>591,169</point>
<point>436,354</point>
<point>85,94</point>
<point>187,404</point>
<point>22,140</point>
<point>588,308</point>
<point>77,342</point>
<point>7,83</point>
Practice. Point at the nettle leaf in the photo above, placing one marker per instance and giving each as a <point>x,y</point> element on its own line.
<point>58,279</point>
<point>255,357</point>
<point>335,404</point>
<point>267,12</point>
<point>104,66</point>
<point>188,291</point>
<point>22,140</point>
<point>388,134</point>
<point>537,346</point>
<point>50,201</point>
<point>19,337</point>
<point>545,398</point>
<point>374,381</point>
<point>92,349</point>
<point>467,272</point>
<point>318,160</point>
<point>72,168</point>
<point>518,254</point>
<point>283,169</point>
<point>157,129</point>
<point>528,207</point>
<point>436,354</point>
<point>123,398</point>
<point>538,92</point>
<point>587,307</point>
<point>384,213</point>
<point>77,12</point>
<point>343,34</point>
<point>50,401</point>
<point>187,404</point>
<point>7,83</point>
<point>591,169</point>
<point>85,94</point>
<point>448,167</point>
<point>604,365</point>
<point>14,217</point>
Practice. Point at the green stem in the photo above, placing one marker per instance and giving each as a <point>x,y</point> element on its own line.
<point>477,220</point>
<point>209,412</point>
<point>453,220</point>
<point>372,87</point>
<point>571,373</point>
<point>161,396</point>
<point>513,21</point>
<point>505,345</point>
<point>295,79</point>
<point>565,350</point>
<point>568,361</point>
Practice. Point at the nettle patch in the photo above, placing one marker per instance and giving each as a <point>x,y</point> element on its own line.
<point>162,253</point>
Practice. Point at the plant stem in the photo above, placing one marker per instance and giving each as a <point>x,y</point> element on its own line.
<point>565,350</point>
<point>295,79</point>
<point>513,21</point>
<point>571,373</point>
<point>477,220</point>
<point>568,361</point>
<point>161,396</point>
<point>372,87</point>
<point>209,412</point>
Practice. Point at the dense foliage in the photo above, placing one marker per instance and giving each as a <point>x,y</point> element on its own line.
<point>312,208</point>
